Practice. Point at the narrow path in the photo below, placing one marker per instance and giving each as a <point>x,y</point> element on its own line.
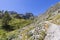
<point>53,32</point>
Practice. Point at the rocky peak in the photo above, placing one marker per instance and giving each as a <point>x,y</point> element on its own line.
<point>58,3</point>
<point>54,8</point>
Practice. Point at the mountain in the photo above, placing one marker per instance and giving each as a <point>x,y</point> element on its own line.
<point>44,27</point>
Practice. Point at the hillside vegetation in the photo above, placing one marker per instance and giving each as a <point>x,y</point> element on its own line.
<point>11,21</point>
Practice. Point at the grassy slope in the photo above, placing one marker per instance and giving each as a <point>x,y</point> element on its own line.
<point>16,24</point>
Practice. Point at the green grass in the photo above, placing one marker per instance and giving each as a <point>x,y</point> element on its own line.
<point>56,19</point>
<point>19,23</point>
<point>15,24</point>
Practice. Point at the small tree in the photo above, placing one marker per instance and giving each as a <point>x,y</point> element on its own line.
<point>5,20</point>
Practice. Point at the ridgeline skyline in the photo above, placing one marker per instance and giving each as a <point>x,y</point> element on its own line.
<point>22,6</point>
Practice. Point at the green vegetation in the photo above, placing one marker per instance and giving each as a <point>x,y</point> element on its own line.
<point>10,22</point>
<point>5,21</point>
<point>56,19</point>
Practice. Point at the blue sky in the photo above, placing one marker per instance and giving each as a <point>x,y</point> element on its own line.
<point>22,6</point>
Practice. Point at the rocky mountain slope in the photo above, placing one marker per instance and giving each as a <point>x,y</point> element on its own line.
<point>44,27</point>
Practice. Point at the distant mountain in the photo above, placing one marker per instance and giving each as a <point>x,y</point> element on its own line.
<point>18,15</point>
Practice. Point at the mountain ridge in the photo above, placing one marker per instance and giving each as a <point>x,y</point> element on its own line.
<point>35,29</point>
